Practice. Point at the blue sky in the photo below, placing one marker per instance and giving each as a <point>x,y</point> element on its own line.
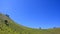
<point>33,13</point>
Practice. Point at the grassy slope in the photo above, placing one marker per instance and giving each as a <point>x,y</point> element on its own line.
<point>14,28</point>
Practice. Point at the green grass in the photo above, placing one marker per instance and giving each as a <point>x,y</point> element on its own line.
<point>15,28</point>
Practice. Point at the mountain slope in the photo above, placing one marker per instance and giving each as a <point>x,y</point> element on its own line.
<point>8,26</point>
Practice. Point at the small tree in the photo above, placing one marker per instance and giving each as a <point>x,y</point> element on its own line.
<point>39,27</point>
<point>7,15</point>
<point>54,27</point>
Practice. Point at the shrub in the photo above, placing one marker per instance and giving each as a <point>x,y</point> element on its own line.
<point>39,27</point>
<point>6,22</point>
<point>54,27</point>
<point>7,15</point>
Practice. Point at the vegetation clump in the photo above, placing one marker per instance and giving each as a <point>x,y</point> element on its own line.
<point>6,22</point>
<point>7,15</point>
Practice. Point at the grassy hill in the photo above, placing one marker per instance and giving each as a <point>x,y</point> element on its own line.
<point>8,26</point>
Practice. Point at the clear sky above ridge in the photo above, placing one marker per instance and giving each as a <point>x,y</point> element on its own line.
<point>33,13</point>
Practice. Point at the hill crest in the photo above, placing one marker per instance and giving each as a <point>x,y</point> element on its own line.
<point>8,26</point>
